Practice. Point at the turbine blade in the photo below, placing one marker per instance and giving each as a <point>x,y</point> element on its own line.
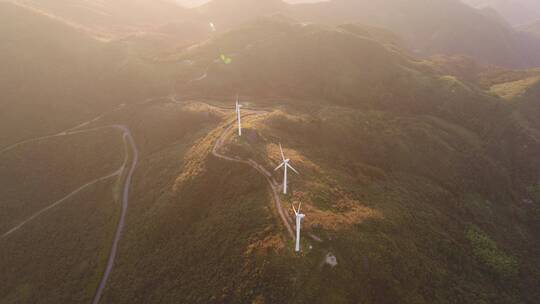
<point>295,212</point>
<point>281,150</point>
<point>281,165</point>
<point>293,169</point>
<point>299,206</point>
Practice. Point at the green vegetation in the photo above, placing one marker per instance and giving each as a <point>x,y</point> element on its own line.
<point>60,256</point>
<point>487,252</point>
<point>65,248</point>
<point>37,174</point>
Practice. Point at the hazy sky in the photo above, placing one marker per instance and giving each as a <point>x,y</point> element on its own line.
<point>515,11</point>
<point>191,3</point>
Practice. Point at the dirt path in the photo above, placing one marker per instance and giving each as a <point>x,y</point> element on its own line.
<point>37,214</point>
<point>274,186</point>
<point>116,173</point>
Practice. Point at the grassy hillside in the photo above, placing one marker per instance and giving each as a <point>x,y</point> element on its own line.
<point>293,65</point>
<point>37,174</point>
<point>352,69</point>
<point>60,254</point>
<point>402,201</point>
<point>60,257</point>
<point>178,230</point>
<point>412,206</point>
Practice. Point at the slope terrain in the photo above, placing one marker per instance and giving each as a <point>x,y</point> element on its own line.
<point>53,229</point>
<point>407,180</point>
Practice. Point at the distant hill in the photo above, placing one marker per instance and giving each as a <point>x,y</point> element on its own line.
<point>430,27</point>
<point>427,27</point>
<point>111,17</point>
<point>355,67</point>
<point>56,74</point>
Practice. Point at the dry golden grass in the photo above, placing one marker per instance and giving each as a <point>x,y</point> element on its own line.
<point>196,157</point>
<point>272,243</point>
<point>513,89</point>
<point>347,212</point>
<point>298,161</point>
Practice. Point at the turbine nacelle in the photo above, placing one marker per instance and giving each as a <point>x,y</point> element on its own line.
<point>285,165</point>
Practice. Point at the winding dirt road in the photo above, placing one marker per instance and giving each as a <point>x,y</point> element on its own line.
<point>274,186</point>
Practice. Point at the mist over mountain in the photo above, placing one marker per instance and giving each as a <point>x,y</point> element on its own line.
<point>517,12</point>
<point>128,175</point>
<point>447,27</point>
<point>194,3</point>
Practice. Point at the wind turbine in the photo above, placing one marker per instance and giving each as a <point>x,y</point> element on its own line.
<point>239,118</point>
<point>299,217</point>
<point>285,165</point>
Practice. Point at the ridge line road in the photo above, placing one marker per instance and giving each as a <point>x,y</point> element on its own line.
<point>273,184</point>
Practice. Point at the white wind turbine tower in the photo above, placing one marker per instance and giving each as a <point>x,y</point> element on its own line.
<point>238,116</point>
<point>299,217</point>
<point>285,165</point>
